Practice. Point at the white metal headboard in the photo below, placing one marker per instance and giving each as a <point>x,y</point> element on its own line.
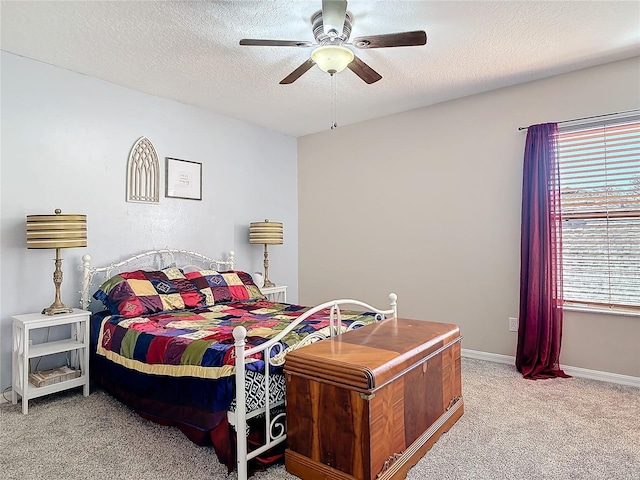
<point>151,260</point>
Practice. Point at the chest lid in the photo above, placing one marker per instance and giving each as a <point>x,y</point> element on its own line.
<point>371,356</point>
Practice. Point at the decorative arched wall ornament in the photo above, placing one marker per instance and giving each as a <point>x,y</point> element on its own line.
<point>143,173</point>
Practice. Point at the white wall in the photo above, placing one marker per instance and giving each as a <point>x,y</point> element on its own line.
<point>427,204</point>
<point>65,144</point>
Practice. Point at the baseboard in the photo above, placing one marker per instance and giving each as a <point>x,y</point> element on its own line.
<point>602,376</point>
<point>489,357</point>
<point>573,371</point>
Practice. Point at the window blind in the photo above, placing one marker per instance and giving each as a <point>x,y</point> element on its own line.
<point>600,198</point>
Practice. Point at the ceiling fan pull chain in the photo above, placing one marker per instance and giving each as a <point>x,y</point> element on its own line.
<point>334,101</point>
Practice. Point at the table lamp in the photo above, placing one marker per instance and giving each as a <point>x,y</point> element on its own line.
<point>266,233</point>
<point>57,231</point>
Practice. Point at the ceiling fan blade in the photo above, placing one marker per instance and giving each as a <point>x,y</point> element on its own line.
<point>401,39</point>
<point>275,43</point>
<point>333,14</point>
<point>364,71</point>
<point>297,73</point>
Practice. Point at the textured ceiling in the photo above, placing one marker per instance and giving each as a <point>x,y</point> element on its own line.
<point>188,50</point>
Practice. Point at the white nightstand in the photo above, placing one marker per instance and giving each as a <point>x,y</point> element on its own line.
<point>275,294</point>
<point>23,350</point>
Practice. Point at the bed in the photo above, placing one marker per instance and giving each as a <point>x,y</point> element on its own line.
<point>190,341</point>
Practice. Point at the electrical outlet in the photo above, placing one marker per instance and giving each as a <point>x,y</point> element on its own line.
<point>513,324</point>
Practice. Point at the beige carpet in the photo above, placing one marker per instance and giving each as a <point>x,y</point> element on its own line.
<point>512,429</point>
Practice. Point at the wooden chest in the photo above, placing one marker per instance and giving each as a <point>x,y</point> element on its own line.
<point>369,404</point>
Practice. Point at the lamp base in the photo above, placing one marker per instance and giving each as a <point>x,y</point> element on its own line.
<point>268,283</point>
<point>55,309</point>
<point>57,306</point>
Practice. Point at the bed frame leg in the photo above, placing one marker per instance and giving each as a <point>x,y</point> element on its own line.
<point>239,334</point>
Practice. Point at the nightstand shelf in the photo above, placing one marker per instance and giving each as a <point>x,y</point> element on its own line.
<point>275,294</point>
<point>42,349</point>
<point>35,392</point>
<point>23,350</point>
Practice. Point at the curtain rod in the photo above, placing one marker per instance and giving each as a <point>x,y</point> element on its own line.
<point>589,118</point>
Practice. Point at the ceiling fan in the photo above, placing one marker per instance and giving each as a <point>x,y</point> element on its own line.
<point>331,28</point>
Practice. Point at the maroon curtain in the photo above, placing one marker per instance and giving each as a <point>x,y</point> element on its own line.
<point>540,319</point>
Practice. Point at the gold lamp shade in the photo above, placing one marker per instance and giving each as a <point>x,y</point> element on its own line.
<point>57,231</point>
<point>266,233</point>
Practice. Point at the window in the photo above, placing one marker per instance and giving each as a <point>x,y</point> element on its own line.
<point>600,198</point>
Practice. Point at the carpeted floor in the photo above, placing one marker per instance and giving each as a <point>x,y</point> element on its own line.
<point>511,429</point>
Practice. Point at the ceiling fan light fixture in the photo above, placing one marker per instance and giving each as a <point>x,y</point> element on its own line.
<point>332,58</point>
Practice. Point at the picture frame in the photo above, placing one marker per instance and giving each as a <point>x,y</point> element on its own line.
<point>183,179</point>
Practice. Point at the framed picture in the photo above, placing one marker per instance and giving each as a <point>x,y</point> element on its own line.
<point>183,179</point>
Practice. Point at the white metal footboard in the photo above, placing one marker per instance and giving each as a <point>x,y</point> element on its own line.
<point>275,427</point>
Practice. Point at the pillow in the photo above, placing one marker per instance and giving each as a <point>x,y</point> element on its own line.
<point>131,294</point>
<point>224,287</point>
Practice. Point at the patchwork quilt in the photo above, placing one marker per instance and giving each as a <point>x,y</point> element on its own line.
<point>199,342</point>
